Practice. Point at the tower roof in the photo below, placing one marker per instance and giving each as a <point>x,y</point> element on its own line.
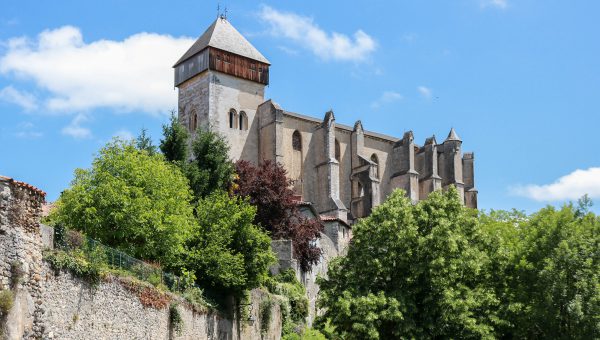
<point>222,35</point>
<point>453,136</point>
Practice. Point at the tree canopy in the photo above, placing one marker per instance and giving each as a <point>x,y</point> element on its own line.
<point>132,201</point>
<point>413,271</point>
<point>174,146</point>
<point>268,188</point>
<point>210,168</point>
<point>228,251</point>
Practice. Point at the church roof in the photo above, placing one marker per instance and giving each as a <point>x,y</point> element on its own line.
<point>452,135</point>
<point>222,35</point>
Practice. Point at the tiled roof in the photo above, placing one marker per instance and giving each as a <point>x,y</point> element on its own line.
<point>23,185</point>
<point>222,35</point>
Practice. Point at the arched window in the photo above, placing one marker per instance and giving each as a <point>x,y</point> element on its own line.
<point>296,141</point>
<point>375,160</point>
<point>232,119</point>
<point>337,150</point>
<point>243,121</point>
<point>193,123</point>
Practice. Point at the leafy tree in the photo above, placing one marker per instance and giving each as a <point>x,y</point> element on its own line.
<point>412,271</point>
<point>132,201</point>
<point>144,142</point>
<point>268,188</point>
<point>228,251</point>
<point>548,272</point>
<point>175,143</point>
<point>210,169</point>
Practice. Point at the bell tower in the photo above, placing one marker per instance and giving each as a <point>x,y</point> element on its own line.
<point>221,81</point>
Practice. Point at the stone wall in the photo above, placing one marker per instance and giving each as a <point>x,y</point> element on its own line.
<point>74,310</point>
<point>50,305</point>
<point>21,257</point>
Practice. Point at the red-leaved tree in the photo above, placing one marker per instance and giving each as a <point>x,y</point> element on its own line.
<point>268,188</point>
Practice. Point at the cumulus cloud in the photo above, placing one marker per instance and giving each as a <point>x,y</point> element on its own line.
<point>306,33</point>
<point>132,74</point>
<point>569,187</point>
<point>501,4</point>
<point>27,130</point>
<point>425,92</point>
<point>75,130</point>
<point>386,98</point>
<point>25,100</point>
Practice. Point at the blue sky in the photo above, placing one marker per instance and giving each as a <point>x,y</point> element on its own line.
<point>518,80</point>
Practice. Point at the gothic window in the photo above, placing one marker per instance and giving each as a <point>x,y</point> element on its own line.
<point>232,119</point>
<point>337,150</point>
<point>296,141</point>
<point>375,160</point>
<point>193,121</point>
<point>243,124</point>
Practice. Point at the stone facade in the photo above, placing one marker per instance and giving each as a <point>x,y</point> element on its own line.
<point>344,171</point>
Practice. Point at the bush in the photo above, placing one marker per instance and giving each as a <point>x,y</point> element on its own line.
<point>195,297</point>
<point>6,301</point>
<point>78,263</point>
<point>175,319</point>
<point>294,303</point>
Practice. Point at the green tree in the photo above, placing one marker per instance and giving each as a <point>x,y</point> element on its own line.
<point>174,146</point>
<point>228,252</point>
<point>144,142</point>
<point>132,201</point>
<point>412,271</point>
<point>548,274</point>
<point>210,169</point>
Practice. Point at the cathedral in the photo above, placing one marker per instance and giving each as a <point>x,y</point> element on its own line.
<point>342,171</point>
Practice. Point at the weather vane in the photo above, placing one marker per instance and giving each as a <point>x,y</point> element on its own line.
<point>219,14</point>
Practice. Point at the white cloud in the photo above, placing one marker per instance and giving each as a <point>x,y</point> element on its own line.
<point>124,135</point>
<point>569,187</point>
<point>27,130</point>
<point>425,92</point>
<point>75,130</point>
<point>329,46</point>
<point>25,100</point>
<point>386,98</point>
<point>132,74</point>
<point>501,4</point>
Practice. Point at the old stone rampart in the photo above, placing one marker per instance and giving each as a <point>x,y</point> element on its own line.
<point>51,305</point>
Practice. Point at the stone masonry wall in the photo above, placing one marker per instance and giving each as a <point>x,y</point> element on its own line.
<point>49,305</point>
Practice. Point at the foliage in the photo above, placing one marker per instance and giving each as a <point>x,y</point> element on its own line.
<point>6,301</point>
<point>414,271</point>
<point>294,303</point>
<point>131,201</point>
<point>227,251</point>
<point>148,295</point>
<point>175,318</point>
<point>210,169</point>
<point>143,142</point>
<point>268,189</point>
<point>89,268</point>
<point>174,146</point>
<point>547,271</point>
<point>16,272</point>
<point>308,334</point>
<point>265,309</point>
<point>195,297</point>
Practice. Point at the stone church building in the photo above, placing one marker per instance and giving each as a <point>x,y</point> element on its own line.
<point>343,171</point>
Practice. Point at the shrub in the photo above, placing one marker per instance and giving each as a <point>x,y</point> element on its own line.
<point>195,297</point>
<point>175,319</point>
<point>6,301</point>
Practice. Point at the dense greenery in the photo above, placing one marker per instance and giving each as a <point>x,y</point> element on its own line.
<point>174,144</point>
<point>210,168</point>
<point>415,271</point>
<point>293,302</point>
<point>436,269</point>
<point>547,272</point>
<point>131,201</point>
<point>268,188</point>
<point>228,251</point>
